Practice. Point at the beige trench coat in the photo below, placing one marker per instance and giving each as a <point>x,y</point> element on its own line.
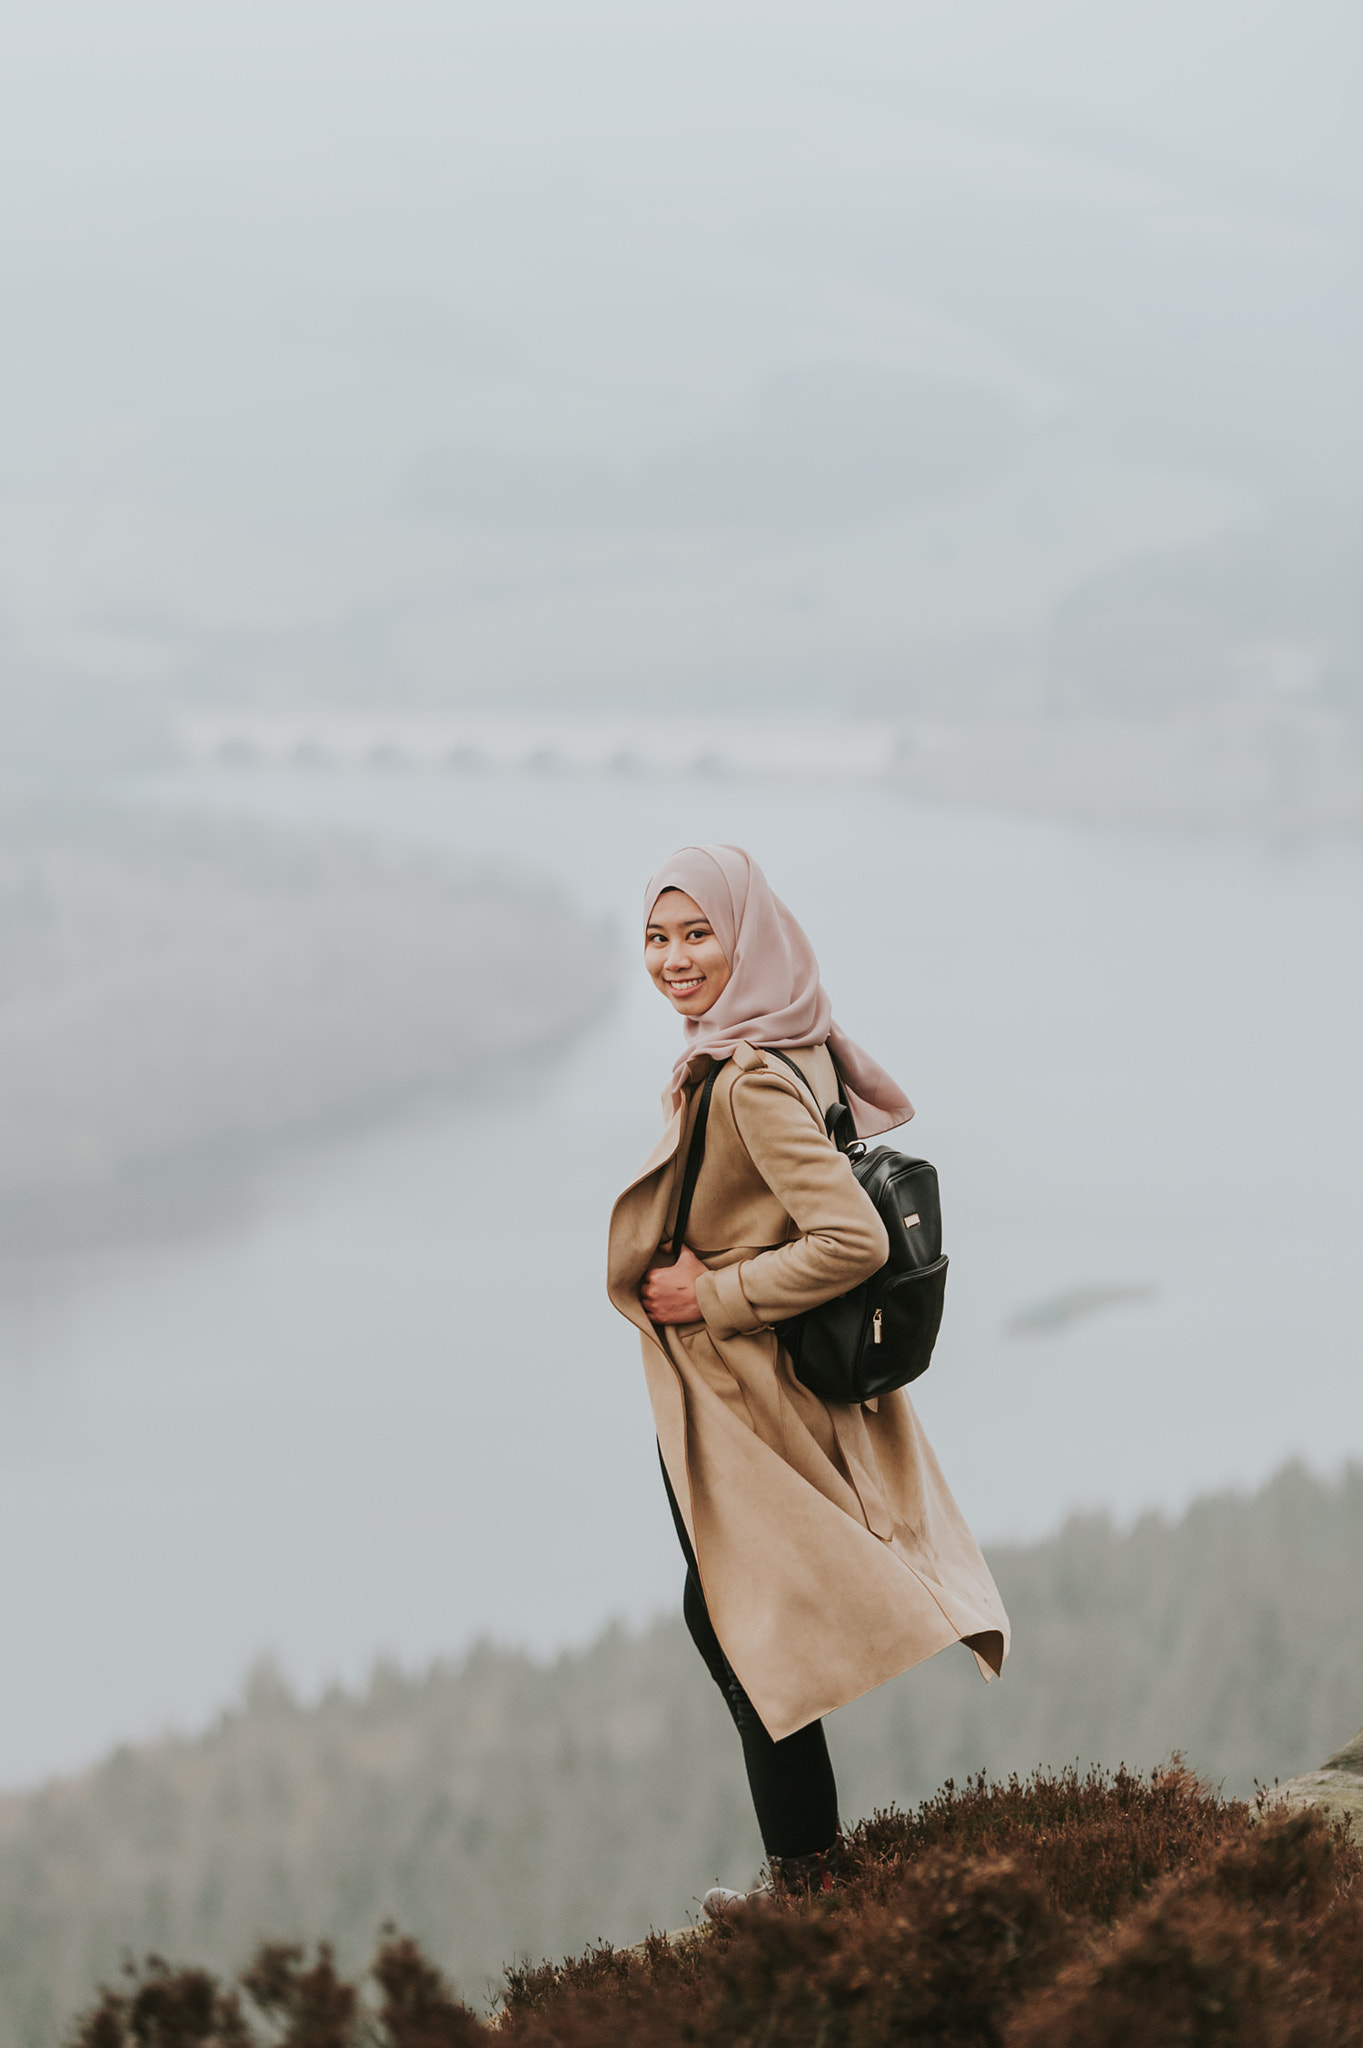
<point>830,1550</point>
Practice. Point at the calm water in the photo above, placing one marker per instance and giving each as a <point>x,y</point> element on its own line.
<point>387,1407</point>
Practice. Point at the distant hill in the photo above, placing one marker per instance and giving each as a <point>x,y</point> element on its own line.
<point>174,991</point>
<point>495,1806</point>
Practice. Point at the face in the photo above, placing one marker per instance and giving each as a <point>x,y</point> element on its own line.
<point>683,955</point>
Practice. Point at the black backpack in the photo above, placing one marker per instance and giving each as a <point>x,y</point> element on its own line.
<point>880,1334</point>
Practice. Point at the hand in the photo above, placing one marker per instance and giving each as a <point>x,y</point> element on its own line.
<point>668,1292</point>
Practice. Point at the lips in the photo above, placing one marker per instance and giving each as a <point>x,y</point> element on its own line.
<point>685,988</point>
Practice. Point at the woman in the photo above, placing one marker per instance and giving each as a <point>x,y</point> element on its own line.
<point>824,1552</point>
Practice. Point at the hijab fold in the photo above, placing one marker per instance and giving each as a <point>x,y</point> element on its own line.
<point>773,995</point>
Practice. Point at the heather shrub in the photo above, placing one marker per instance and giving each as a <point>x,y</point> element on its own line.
<point>418,2009</point>
<point>166,2008</point>
<point>1261,1947</point>
<point>1098,1841</point>
<point>309,2007</point>
<point>288,2002</point>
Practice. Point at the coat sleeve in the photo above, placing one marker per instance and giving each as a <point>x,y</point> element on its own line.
<point>842,1240</point>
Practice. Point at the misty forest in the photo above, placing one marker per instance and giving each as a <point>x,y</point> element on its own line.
<point>449,458</point>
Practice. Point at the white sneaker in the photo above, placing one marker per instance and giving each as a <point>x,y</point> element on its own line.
<point>719,1901</point>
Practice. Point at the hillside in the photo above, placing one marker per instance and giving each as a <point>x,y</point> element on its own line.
<point>494,1807</point>
<point>1059,1913</point>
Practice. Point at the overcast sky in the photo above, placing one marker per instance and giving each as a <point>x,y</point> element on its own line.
<point>265,261</point>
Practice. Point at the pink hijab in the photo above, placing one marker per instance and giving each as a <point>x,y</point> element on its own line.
<point>773,995</point>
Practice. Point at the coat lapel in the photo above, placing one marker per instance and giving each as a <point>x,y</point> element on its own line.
<point>636,1227</point>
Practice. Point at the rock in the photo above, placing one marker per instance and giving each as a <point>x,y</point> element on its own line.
<point>1337,1786</point>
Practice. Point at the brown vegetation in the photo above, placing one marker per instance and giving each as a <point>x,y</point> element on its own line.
<point>1064,1911</point>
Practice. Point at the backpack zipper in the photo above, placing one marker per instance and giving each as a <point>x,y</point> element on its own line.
<point>875,1327</point>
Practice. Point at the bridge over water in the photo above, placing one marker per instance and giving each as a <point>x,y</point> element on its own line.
<point>1277,766</point>
<point>334,739</point>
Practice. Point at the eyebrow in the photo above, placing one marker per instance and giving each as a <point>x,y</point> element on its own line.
<point>688,923</point>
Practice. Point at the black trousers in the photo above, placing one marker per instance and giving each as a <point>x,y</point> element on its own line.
<point>791,1781</point>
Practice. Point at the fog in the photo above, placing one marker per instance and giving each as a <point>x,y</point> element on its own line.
<point>450,455</point>
<point>444,354</point>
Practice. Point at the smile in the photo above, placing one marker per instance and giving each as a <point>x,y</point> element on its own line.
<point>685,988</point>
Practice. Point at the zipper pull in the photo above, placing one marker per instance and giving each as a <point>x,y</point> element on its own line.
<point>875,1326</point>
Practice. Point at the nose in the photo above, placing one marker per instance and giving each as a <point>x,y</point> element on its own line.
<point>677,954</point>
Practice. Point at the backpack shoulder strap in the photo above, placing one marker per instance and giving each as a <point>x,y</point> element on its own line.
<point>774,1052</point>
<point>837,1118</point>
<point>695,1152</point>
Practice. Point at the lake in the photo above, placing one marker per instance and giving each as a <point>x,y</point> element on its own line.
<point>382,1406</point>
